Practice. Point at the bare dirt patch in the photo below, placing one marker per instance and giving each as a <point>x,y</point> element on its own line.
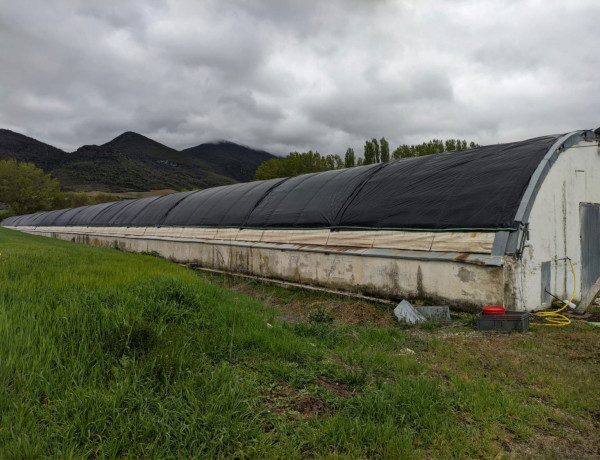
<point>338,388</point>
<point>293,403</point>
<point>296,306</point>
<point>362,313</point>
<point>552,446</point>
<point>593,314</point>
<point>309,406</point>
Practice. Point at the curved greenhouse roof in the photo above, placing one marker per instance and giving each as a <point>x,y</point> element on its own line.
<point>480,188</point>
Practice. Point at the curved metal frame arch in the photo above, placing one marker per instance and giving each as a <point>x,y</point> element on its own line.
<point>508,242</point>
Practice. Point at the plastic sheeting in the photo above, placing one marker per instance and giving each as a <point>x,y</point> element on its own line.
<point>81,216</point>
<point>227,206</point>
<point>478,188</point>
<point>310,200</point>
<point>470,189</point>
<point>149,214</point>
<point>109,214</point>
<point>49,218</point>
<point>16,220</point>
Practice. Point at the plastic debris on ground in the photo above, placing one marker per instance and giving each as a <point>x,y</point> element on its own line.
<point>406,312</point>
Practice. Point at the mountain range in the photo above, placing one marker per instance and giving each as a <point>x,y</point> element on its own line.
<point>132,162</point>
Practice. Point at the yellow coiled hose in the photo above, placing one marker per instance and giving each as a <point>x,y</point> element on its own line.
<point>554,318</point>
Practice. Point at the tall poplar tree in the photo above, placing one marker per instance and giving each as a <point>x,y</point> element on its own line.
<point>385,150</point>
<point>369,153</point>
<point>376,152</point>
<point>349,160</point>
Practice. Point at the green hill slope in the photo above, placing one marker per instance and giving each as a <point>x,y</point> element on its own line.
<point>132,162</point>
<point>229,159</point>
<point>27,149</point>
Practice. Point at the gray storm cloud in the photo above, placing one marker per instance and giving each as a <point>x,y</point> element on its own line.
<point>297,75</point>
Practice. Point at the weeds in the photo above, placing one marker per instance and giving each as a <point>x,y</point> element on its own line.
<point>233,327</point>
<point>319,314</point>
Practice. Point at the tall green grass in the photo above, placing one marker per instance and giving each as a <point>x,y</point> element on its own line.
<point>108,354</point>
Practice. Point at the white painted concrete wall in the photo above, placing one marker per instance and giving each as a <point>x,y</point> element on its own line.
<point>554,227</point>
<point>385,273</point>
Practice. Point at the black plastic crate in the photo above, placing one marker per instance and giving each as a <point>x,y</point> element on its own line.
<point>510,321</point>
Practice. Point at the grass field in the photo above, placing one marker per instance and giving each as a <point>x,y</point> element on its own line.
<point>108,354</point>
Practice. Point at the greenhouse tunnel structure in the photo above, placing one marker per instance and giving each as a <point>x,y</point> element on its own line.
<point>490,225</point>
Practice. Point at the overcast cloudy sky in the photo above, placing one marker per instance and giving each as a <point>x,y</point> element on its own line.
<point>298,75</point>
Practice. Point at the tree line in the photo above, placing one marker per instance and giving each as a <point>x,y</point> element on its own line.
<point>375,151</point>
<point>24,189</point>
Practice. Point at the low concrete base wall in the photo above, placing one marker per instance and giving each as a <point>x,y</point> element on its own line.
<point>382,274</point>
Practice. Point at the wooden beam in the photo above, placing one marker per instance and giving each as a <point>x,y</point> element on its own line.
<point>588,297</point>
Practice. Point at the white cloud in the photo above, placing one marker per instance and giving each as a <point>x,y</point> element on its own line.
<point>298,75</point>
